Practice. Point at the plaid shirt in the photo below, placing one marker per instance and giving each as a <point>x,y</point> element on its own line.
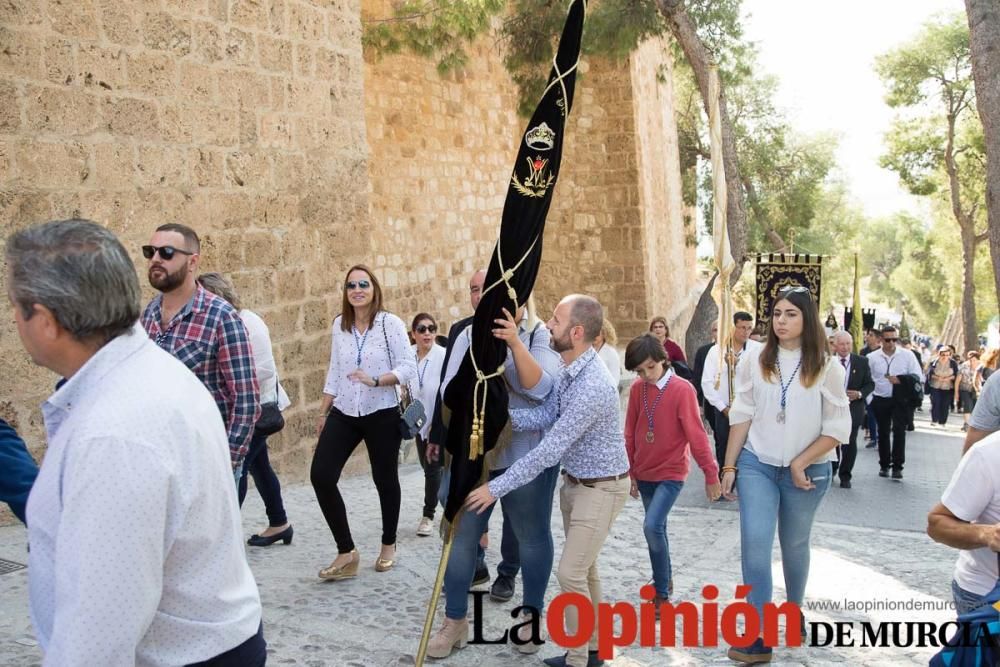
<point>208,336</point>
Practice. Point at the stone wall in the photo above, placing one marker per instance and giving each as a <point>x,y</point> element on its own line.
<point>241,118</point>
<point>261,125</point>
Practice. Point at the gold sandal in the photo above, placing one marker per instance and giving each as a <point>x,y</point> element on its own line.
<point>384,564</point>
<point>347,571</point>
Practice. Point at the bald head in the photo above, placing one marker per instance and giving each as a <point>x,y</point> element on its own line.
<point>476,283</point>
<point>585,311</point>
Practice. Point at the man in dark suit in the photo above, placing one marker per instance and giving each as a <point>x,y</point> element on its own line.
<point>699,370</point>
<point>859,384</point>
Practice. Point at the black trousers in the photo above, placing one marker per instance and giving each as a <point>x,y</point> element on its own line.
<point>341,435</point>
<point>251,653</point>
<point>721,433</point>
<point>432,477</point>
<point>847,452</point>
<point>941,404</point>
<point>892,419</point>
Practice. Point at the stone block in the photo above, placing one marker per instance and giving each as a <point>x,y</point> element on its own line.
<point>250,14</point>
<point>207,42</point>
<point>239,47</point>
<point>243,88</point>
<point>177,122</point>
<point>101,67</point>
<point>10,109</point>
<point>164,32</point>
<point>67,111</point>
<point>73,18</point>
<point>276,130</point>
<point>217,127</point>
<point>60,61</point>
<point>289,170</point>
<point>248,129</point>
<point>196,83</point>
<point>131,117</point>
<point>206,167</point>
<point>306,22</point>
<point>161,166</point>
<point>7,151</point>
<point>308,97</point>
<point>292,287</point>
<point>45,164</point>
<point>275,54</point>
<point>119,23</point>
<point>21,13</point>
<point>251,170</point>
<point>283,321</point>
<point>152,74</point>
<point>187,7</point>
<point>23,207</point>
<point>278,17</point>
<point>305,60</point>
<point>20,54</point>
<point>114,166</point>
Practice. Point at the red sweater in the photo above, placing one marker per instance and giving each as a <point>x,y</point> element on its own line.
<point>674,352</point>
<point>677,429</point>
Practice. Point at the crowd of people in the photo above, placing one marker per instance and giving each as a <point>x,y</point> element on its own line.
<point>162,450</point>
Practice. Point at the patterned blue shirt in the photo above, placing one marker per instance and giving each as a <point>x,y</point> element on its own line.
<point>583,419</point>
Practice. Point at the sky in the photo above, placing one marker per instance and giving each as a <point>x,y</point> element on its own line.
<point>823,54</point>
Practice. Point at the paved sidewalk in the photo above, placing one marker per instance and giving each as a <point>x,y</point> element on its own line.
<point>376,618</point>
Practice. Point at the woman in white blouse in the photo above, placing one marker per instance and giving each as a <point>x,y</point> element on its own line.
<point>370,354</point>
<point>790,412</point>
<point>257,463</point>
<point>423,386</point>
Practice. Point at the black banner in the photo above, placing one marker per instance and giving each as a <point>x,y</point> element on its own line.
<point>778,270</point>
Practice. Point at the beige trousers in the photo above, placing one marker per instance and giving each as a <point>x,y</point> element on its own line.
<point>588,513</point>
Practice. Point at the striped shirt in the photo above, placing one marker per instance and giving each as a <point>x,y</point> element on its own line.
<point>209,337</point>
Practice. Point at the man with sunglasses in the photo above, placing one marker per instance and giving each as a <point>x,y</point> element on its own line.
<point>896,374</point>
<point>136,546</point>
<point>203,331</point>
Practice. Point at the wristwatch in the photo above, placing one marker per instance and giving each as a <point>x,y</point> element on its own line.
<point>375,379</point>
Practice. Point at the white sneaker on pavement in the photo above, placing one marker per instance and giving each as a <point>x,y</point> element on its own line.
<point>425,527</point>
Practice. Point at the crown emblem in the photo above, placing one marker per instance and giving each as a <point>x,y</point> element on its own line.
<point>541,138</point>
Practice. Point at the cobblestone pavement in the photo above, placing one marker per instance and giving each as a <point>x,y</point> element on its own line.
<point>868,547</point>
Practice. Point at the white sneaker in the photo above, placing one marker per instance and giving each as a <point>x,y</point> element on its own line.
<point>426,527</point>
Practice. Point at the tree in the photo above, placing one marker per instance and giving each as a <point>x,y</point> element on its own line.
<point>984,29</point>
<point>937,147</point>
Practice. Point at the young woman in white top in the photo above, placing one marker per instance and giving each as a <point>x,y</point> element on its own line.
<point>423,386</point>
<point>257,463</point>
<point>370,354</point>
<point>790,412</point>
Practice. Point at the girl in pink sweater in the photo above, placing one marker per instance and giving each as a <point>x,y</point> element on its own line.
<point>662,425</point>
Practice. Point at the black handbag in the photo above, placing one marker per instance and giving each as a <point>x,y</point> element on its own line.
<point>271,420</point>
<point>413,416</point>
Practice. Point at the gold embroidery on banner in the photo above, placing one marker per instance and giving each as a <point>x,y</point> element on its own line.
<point>538,181</point>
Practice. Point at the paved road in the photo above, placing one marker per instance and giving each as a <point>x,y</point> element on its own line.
<point>868,547</point>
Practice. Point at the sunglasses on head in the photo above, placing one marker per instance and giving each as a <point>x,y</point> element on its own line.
<point>426,328</point>
<point>361,284</point>
<point>167,252</point>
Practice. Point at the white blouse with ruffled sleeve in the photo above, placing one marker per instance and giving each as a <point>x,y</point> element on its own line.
<point>822,409</point>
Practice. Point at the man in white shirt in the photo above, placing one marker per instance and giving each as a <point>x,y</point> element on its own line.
<point>136,551</point>
<point>717,394</point>
<point>968,518</point>
<point>896,373</point>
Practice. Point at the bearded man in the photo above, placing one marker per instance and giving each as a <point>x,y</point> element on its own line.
<point>203,331</point>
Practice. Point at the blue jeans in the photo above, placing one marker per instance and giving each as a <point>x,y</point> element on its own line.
<point>529,509</point>
<point>658,498</point>
<point>965,601</point>
<point>769,500</point>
